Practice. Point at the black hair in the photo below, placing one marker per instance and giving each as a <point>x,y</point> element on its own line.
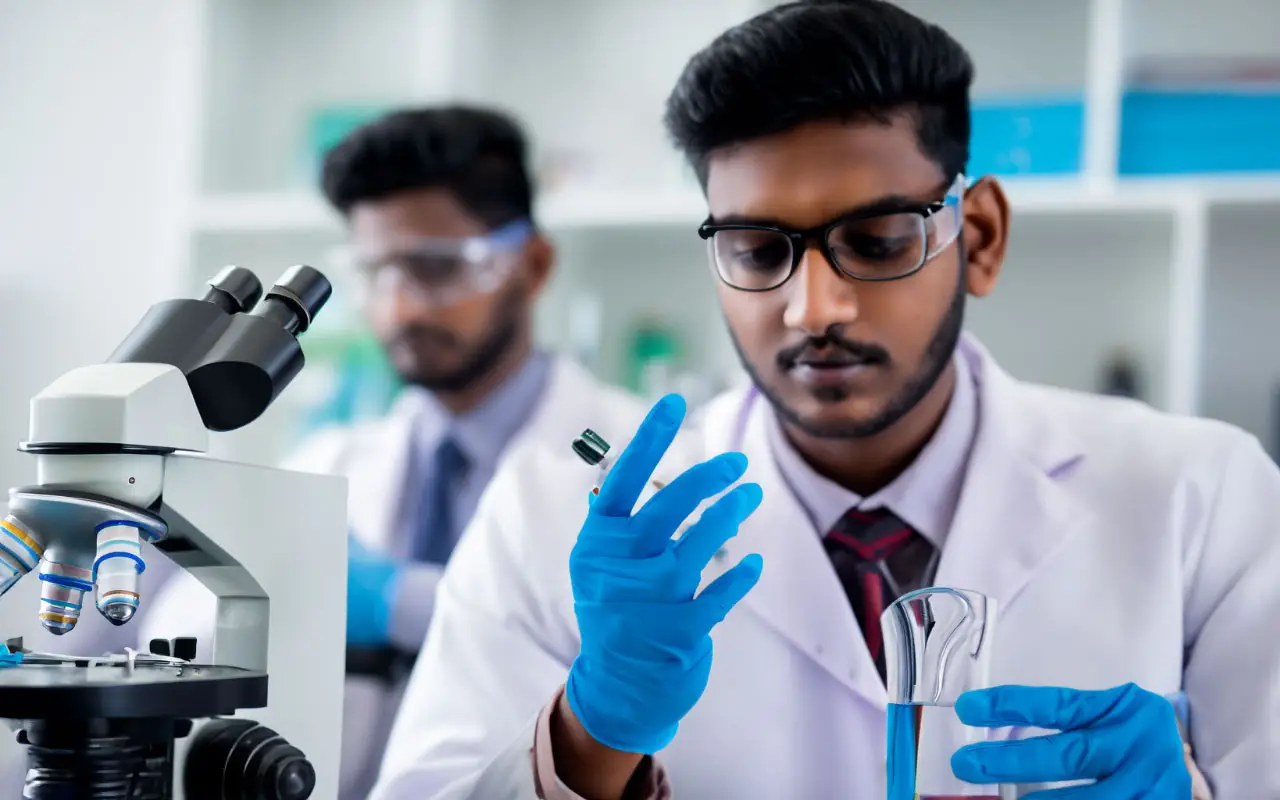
<point>478,154</point>
<point>824,60</point>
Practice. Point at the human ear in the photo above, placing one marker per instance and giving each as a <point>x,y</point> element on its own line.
<point>986,235</point>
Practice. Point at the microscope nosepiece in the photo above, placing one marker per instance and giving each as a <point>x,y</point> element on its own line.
<point>20,552</point>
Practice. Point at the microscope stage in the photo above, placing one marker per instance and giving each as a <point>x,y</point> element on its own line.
<point>63,692</point>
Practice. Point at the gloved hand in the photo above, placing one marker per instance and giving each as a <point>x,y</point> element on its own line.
<point>646,645</point>
<point>1125,738</point>
<point>372,583</point>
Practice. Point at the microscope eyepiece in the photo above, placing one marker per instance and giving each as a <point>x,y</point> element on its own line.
<point>296,298</point>
<point>234,290</point>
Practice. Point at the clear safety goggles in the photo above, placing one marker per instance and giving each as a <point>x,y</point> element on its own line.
<point>440,271</point>
<point>865,246</point>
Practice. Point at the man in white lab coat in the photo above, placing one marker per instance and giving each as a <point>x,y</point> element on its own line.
<point>438,203</point>
<point>1131,554</point>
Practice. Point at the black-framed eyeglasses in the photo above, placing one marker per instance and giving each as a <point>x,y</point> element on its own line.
<point>875,246</point>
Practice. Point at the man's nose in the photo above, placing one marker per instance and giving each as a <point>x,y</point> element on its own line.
<point>821,296</point>
<point>400,301</point>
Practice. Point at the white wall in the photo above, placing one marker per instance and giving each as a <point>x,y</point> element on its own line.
<point>1004,37</point>
<point>90,160</point>
<point>610,56</point>
<point>270,64</point>
<point>1075,290</point>
<point>1192,28</point>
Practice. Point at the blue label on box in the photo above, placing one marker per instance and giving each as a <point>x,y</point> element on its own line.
<point>1204,131</point>
<point>1027,136</point>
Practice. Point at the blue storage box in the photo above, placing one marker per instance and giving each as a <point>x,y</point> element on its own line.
<point>1027,136</point>
<point>1178,131</point>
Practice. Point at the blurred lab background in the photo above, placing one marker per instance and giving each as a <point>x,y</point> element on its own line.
<point>144,144</point>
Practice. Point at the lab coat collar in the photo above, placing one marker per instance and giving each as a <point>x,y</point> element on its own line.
<point>1016,506</point>
<point>1011,514</point>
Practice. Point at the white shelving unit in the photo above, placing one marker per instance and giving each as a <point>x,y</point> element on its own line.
<point>1175,271</point>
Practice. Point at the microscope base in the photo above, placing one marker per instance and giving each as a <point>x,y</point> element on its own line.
<point>107,732</point>
<point>120,759</point>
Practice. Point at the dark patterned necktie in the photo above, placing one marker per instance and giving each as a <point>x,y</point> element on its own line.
<point>877,558</point>
<point>434,541</point>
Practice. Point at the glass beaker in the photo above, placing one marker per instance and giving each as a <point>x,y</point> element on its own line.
<point>938,644</point>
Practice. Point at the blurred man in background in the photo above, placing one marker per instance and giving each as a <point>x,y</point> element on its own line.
<point>439,207</point>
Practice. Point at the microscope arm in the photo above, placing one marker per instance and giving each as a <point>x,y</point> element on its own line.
<point>265,519</point>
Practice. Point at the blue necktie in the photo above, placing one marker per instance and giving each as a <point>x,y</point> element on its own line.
<point>435,525</point>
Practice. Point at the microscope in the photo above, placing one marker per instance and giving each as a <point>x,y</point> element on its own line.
<point>120,460</point>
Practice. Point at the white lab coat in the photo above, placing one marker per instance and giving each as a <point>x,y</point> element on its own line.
<point>374,456</point>
<point>1121,544</point>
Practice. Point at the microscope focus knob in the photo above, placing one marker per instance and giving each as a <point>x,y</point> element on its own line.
<point>238,759</point>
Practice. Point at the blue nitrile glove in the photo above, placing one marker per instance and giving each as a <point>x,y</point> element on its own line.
<point>646,645</point>
<point>372,583</point>
<point>8,659</point>
<point>1124,738</point>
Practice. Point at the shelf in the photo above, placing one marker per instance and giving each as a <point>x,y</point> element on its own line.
<point>1212,189</point>
<point>254,213</point>
<point>579,208</point>
<point>1075,196</point>
<point>572,209</point>
<point>602,208</point>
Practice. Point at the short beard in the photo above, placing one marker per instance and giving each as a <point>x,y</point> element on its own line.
<point>936,358</point>
<point>509,316</point>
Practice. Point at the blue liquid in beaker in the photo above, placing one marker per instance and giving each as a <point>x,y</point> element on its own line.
<point>901,741</point>
<point>903,762</point>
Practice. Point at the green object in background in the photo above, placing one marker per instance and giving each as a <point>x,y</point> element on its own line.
<point>358,382</point>
<point>653,357</point>
<point>327,126</point>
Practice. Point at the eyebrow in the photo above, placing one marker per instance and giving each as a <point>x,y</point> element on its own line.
<point>884,205</point>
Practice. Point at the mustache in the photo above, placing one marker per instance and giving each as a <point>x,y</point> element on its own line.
<point>832,348</point>
<point>424,334</point>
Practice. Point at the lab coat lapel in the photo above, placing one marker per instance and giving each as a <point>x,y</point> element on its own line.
<point>798,595</point>
<point>376,467</point>
<point>1013,509</point>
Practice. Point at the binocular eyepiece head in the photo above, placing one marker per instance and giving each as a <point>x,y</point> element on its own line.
<point>237,348</point>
